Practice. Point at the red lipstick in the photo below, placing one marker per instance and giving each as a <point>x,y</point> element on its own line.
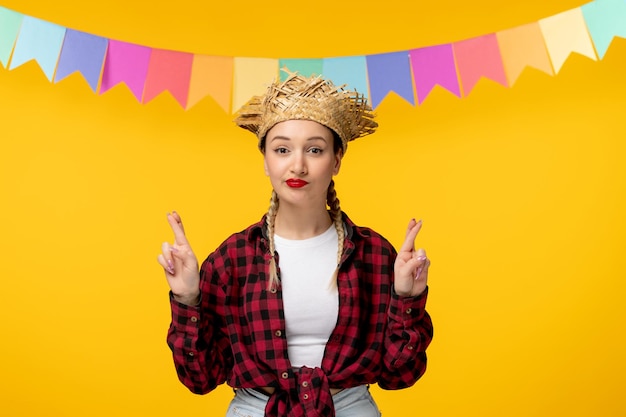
<point>296,183</point>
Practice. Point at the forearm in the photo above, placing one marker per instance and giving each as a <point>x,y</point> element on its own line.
<point>409,332</point>
<point>195,349</point>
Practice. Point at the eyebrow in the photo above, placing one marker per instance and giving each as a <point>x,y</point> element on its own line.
<point>312,138</point>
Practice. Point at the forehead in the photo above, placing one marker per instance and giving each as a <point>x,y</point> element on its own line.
<point>300,129</point>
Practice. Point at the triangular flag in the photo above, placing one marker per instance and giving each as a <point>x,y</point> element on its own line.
<point>10,22</point>
<point>252,76</point>
<point>211,75</point>
<point>171,71</point>
<point>476,58</point>
<point>127,63</point>
<point>605,19</point>
<point>41,41</point>
<point>351,71</point>
<point>431,66</point>
<point>390,72</point>
<point>84,53</point>
<point>304,67</point>
<point>565,33</point>
<point>523,47</point>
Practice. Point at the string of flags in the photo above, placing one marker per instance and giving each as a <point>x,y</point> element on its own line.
<point>545,45</point>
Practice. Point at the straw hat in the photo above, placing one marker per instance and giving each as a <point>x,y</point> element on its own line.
<point>308,98</point>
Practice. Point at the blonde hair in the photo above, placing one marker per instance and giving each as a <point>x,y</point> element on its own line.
<point>335,214</point>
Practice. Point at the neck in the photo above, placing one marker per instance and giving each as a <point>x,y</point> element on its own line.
<point>301,224</point>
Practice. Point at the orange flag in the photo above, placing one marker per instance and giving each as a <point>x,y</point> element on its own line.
<point>523,47</point>
<point>211,76</point>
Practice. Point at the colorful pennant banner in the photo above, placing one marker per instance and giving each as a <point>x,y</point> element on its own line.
<point>230,81</point>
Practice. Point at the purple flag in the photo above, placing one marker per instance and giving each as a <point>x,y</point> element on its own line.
<point>84,53</point>
<point>431,66</point>
<point>390,72</point>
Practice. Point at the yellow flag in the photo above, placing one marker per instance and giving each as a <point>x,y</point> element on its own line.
<point>565,33</point>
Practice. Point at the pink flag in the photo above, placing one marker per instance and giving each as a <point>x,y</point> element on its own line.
<point>431,66</point>
<point>479,57</point>
<point>127,63</point>
<point>171,71</point>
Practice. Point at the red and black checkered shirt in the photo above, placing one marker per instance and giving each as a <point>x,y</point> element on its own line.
<point>237,333</point>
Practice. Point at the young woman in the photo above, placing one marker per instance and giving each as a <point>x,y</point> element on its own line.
<point>301,311</point>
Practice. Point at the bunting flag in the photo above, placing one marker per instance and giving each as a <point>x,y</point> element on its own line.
<point>10,23</point>
<point>564,34</point>
<point>523,47</point>
<point>211,76</point>
<point>476,58</point>
<point>168,71</point>
<point>434,65</point>
<point>389,72</point>
<point>252,76</point>
<point>38,40</point>
<point>126,63</point>
<point>605,20</point>
<point>230,81</point>
<point>350,71</point>
<point>84,53</point>
<point>305,67</point>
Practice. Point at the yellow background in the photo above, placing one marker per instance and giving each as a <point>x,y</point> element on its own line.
<point>522,193</point>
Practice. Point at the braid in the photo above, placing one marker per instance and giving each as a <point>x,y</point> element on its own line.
<point>335,213</point>
<point>271,218</point>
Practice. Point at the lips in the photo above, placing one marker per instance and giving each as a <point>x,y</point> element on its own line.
<point>296,183</point>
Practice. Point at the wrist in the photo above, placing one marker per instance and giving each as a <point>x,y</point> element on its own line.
<point>190,300</point>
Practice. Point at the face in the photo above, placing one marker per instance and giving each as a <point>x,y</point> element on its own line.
<point>300,161</point>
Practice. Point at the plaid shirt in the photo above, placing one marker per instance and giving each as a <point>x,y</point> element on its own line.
<point>237,333</point>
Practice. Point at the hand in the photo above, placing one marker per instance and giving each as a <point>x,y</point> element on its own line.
<point>411,266</point>
<point>180,264</point>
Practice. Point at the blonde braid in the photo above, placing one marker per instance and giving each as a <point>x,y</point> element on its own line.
<point>335,213</point>
<point>271,219</point>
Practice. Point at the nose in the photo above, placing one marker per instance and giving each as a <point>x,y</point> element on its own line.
<point>298,166</point>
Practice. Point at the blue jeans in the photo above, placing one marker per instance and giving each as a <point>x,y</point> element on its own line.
<point>351,402</point>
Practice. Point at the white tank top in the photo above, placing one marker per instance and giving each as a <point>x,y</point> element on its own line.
<point>310,300</point>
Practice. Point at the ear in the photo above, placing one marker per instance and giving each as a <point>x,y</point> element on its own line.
<point>338,158</point>
<point>267,173</point>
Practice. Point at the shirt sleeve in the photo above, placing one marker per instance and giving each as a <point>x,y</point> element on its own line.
<point>198,344</point>
<point>409,332</point>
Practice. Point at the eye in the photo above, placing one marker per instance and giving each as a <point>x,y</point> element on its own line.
<point>281,150</point>
<point>316,150</point>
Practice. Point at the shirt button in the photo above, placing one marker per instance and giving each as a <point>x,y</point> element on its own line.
<point>273,290</point>
<point>284,375</point>
<point>305,396</point>
<point>190,354</point>
<point>305,384</point>
<point>410,347</point>
<point>278,333</point>
<point>194,319</point>
<point>408,310</point>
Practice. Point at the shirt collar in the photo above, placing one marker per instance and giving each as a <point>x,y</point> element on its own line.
<point>260,228</point>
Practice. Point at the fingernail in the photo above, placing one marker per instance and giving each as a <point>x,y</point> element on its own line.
<point>170,265</point>
<point>421,258</point>
<point>173,249</point>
